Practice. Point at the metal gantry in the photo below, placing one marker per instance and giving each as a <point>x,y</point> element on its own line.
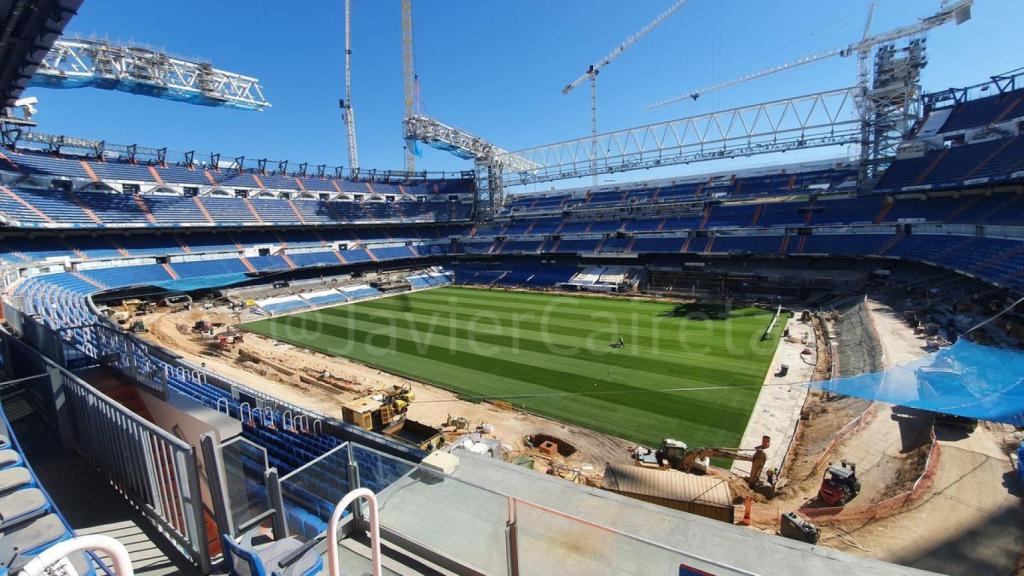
<point>437,134</point>
<point>829,118</point>
<point>81,63</point>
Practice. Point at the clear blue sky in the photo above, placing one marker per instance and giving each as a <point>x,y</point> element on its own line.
<point>493,68</point>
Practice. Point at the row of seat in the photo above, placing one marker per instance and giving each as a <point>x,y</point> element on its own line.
<point>38,164</point>
<point>821,180</point>
<point>29,520</point>
<point>1000,208</point>
<point>39,208</point>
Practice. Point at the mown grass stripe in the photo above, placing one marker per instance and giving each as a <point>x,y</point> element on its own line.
<point>430,335</point>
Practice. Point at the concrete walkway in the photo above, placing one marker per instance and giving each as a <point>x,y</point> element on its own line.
<point>778,405</point>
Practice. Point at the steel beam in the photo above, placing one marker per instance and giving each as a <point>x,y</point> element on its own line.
<point>829,118</point>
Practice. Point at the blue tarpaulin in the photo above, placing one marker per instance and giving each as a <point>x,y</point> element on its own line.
<point>202,282</point>
<point>966,379</point>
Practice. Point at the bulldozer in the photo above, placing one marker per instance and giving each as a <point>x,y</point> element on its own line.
<point>840,484</point>
<point>677,455</point>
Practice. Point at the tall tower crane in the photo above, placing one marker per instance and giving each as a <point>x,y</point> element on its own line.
<point>958,11</point>
<point>408,77</point>
<point>594,69</point>
<point>347,112</point>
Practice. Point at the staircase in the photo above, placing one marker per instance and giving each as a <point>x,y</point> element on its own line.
<point>85,278</point>
<point>995,154</point>
<point>88,170</point>
<point>600,244</point>
<point>629,248</point>
<point>42,215</point>
<point>686,245</point>
<point>341,259</point>
<point>803,242</point>
<point>784,244</point>
<point>661,225</point>
<point>248,265</point>
<point>170,271</point>
<point>144,207</point>
<point>883,212</point>
<point>938,160</point>
<point>117,246</point>
<point>711,243</point>
<point>181,242</point>
<point>707,216</point>
<point>963,207</point>
<point>757,214</point>
<point>891,243</point>
<point>156,176</point>
<point>202,208</point>
<point>370,253</point>
<point>252,209</point>
<point>288,260</point>
<point>77,252</point>
<point>81,205</point>
<point>295,210</point>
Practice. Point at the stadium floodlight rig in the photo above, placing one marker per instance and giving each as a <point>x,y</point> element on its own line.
<point>594,69</point>
<point>81,63</point>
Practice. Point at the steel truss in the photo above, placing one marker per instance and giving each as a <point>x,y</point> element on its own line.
<point>96,63</point>
<point>828,118</point>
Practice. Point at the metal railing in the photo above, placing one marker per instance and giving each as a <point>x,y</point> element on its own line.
<point>154,470</point>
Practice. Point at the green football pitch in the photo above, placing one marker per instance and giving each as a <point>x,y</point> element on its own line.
<point>690,372</point>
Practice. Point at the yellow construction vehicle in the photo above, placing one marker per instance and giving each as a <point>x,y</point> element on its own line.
<point>377,411</point>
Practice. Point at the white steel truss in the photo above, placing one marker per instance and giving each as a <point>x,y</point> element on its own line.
<point>435,133</point>
<point>829,118</point>
<point>96,63</point>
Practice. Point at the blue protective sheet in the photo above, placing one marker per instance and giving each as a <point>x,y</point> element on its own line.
<point>215,281</point>
<point>965,379</point>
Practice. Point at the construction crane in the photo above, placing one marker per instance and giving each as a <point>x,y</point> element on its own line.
<point>347,112</point>
<point>959,12</point>
<point>594,69</point>
<point>79,63</point>
<point>408,78</point>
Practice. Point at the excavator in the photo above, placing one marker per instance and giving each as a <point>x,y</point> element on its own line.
<point>677,455</point>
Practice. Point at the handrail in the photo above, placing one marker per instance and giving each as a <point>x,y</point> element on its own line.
<point>333,562</point>
<point>115,550</point>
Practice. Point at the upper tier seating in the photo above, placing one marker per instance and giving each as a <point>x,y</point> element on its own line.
<point>734,187</point>
<point>34,208</point>
<point>984,111</point>
<point>990,161</point>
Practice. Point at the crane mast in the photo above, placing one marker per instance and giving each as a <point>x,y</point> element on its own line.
<point>408,77</point>
<point>594,69</point>
<point>347,112</point>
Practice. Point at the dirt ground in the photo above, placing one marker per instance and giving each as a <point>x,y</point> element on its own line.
<point>969,522</point>
<point>323,383</point>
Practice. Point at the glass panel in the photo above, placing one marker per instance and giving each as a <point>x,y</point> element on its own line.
<point>550,542</point>
<point>377,470</point>
<point>244,466</point>
<point>449,516</point>
<point>311,492</point>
